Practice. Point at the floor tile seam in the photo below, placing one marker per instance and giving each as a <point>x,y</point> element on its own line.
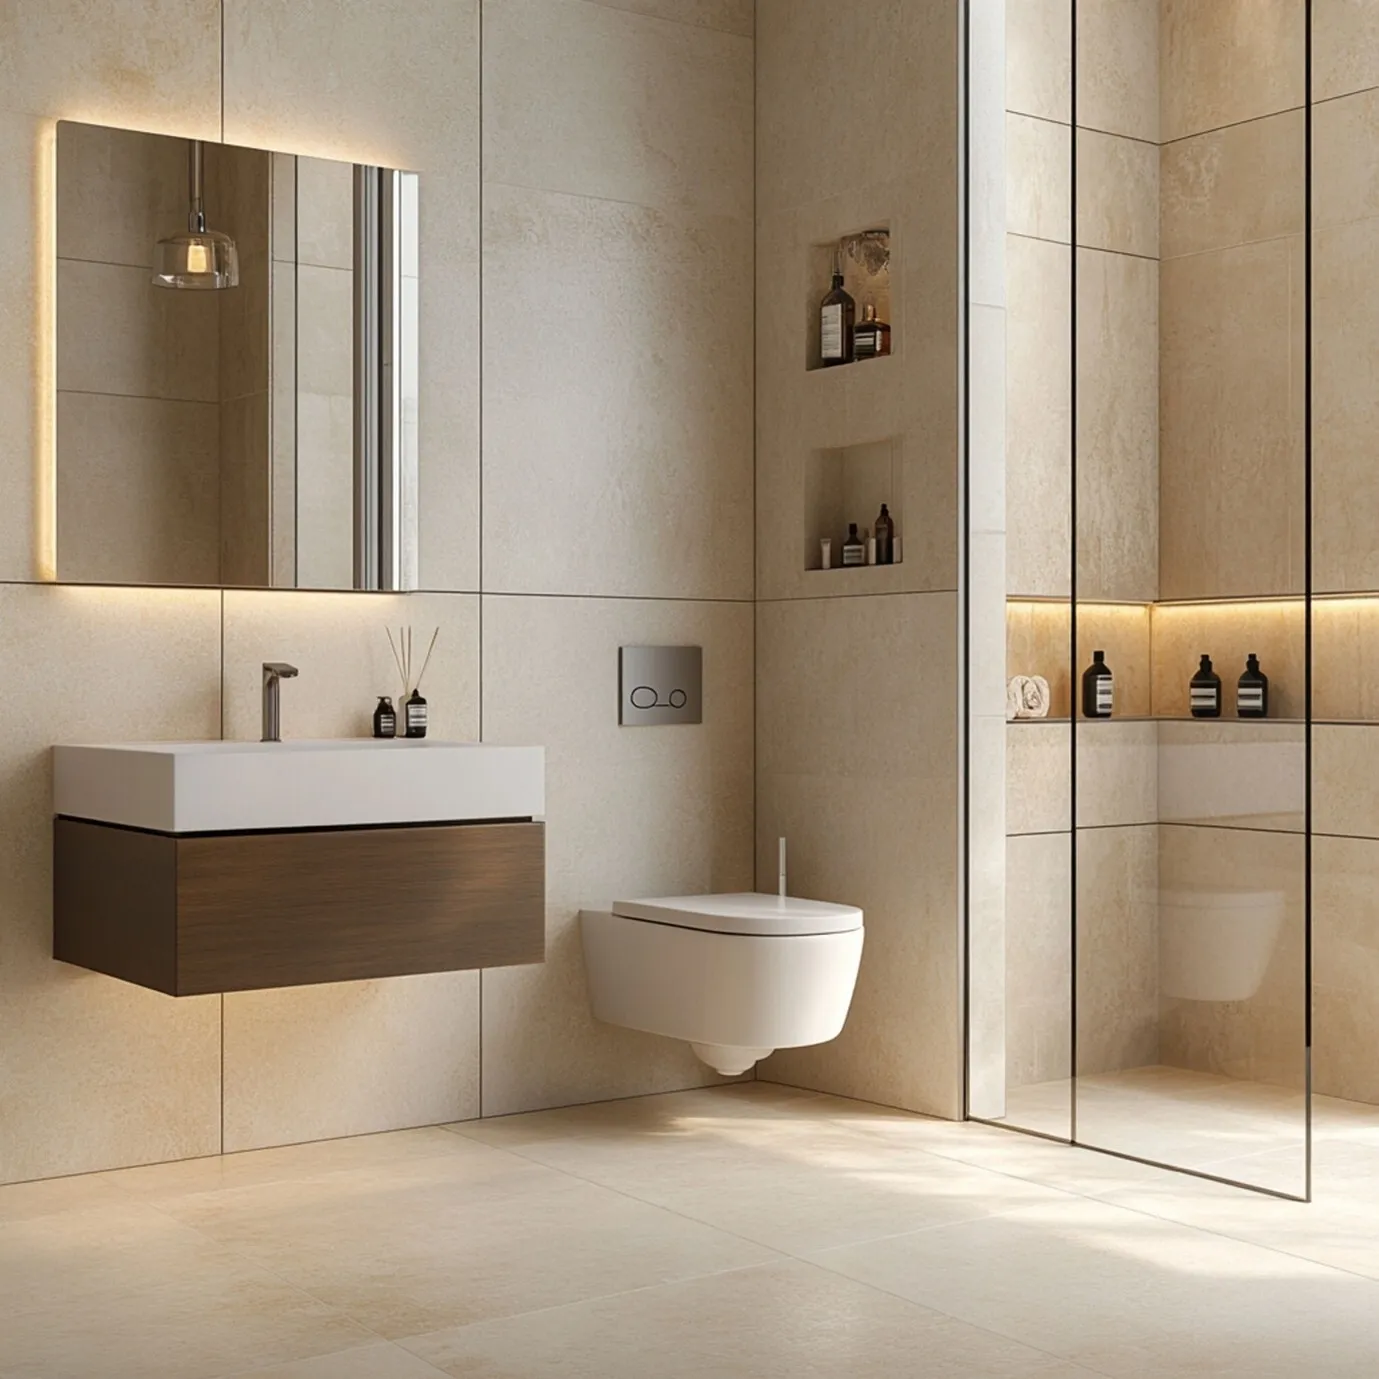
<point>1052,1355</point>
<point>594,1298</point>
<point>658,1206</point>
<point>367,1345</point>
<point>1221,1234</point>
<point>165,1201</point>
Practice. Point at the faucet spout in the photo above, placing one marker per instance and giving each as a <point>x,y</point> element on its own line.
<point>274,672</point>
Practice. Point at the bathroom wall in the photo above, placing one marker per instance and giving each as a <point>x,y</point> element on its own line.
<point>616,481</point>
<point>857,671</point>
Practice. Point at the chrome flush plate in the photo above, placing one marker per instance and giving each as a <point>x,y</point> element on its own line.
<point>659,685</point>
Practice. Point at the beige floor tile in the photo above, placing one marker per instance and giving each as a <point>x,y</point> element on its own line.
<point>438,1242</point>
<point>125,1291</point>
<point>783,1319</point>
<point>1128,1294</point>
<point>55,1196</point>
<point>381,1361</point>
<point>788,1177</point>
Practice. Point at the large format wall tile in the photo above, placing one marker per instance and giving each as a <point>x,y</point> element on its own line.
<point>1345,47</point>
<point>1039,64</point>
<point>153,65</point>
<point>1117,949</point>
<point>96,1073</point>
<point>673,132</point>
<point>1118,66</point>
<point>814,133</point>
<point>1118,194</point>
<point>1345,336</point>
<point>857,743</point>
<point>1039,965</point>
<point>1038,417</point>
<point>1345,947</point>
<point>1226,61</point>
<point>1345,779</point>
<point>1231,417</point>
<point>1234,186</point>
<point>354,1057</point>
<point>618,431</point>
<point>1039,166</point>
<point>1117,426</point>
<point>732,16</point>
<point>629,811</point>
<point>350,1058</point>
<point>396,85</point>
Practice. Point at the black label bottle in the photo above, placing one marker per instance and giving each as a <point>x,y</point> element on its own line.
<point>854,548</point>
<point>837,321</point>
<point>885,537</point>
<point>872,337</point>
<point>1204,693</point>
<point>414,715</point>
<point>385,718</point>
<point>1252,693</point>
<point>1098,688</point>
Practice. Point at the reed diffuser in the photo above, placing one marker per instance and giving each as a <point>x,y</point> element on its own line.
<point>413,706</point>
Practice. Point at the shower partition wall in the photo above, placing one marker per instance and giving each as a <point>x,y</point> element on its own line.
<point>1140,957</point>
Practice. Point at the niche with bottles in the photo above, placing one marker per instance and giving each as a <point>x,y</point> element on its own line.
<point>847,488</point>
<point>850,324</point>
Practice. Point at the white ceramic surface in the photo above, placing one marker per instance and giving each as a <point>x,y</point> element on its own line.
<point>734,996</point>
<point>206,787</point>
<point>745,912</point>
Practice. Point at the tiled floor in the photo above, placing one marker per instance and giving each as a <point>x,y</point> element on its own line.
<point>744,1231</point>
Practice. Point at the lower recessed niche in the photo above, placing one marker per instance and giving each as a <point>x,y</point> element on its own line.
<point>849,485</point>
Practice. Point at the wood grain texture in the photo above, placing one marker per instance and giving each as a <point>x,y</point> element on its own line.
<point>244,912</point>
<point>115,902</point>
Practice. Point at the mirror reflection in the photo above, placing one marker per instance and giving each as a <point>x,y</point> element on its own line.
<point>236,366</point>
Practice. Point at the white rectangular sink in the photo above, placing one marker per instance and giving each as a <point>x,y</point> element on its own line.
<point>217,787</point>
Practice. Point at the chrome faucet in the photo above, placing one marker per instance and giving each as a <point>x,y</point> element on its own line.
<point>273,673</point>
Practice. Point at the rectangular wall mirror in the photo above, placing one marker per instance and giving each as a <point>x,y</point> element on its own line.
<point>236,366</point>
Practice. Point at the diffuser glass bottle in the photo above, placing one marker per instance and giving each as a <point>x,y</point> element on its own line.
<point>413,712</point>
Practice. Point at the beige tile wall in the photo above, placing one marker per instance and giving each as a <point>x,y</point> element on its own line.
<point>857,671</point>
<point>97,1073</point>
<point>857,754</point>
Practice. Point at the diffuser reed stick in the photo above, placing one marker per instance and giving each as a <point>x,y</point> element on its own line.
<point>427,661</point>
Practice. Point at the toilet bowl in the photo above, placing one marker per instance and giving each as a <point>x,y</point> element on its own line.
<point>1215,945</point>
<point>735,976</point>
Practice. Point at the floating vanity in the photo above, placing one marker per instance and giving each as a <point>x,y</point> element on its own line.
<point>200,867</point>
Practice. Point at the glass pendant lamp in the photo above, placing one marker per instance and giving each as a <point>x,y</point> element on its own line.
<point>197,258</point>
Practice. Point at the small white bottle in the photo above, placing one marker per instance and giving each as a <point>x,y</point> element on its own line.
<point>825,553</point>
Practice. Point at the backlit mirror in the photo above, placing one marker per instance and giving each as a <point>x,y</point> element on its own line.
<point>236,366</point>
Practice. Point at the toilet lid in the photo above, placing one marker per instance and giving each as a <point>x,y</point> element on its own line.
<point>767,916</point>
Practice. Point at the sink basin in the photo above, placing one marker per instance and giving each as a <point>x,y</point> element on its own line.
<point>225,787</point>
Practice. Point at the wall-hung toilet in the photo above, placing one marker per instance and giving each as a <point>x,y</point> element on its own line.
<point>1216,945</point>
<point>736,976</point>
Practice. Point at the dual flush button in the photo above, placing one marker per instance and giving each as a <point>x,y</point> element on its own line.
<point>659,685</point>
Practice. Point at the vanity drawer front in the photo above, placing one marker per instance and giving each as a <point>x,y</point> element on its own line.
<point>286,909</point>
<point>209,913</point>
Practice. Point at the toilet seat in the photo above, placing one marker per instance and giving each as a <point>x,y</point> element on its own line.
<point>746,913</point>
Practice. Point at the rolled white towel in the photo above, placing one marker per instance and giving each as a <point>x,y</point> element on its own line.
<point>1035,693</point>
<point>1015,696</point>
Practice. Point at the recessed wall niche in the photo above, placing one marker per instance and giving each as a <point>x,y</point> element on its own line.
<point>849,485</point>
<point>865,256</point>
